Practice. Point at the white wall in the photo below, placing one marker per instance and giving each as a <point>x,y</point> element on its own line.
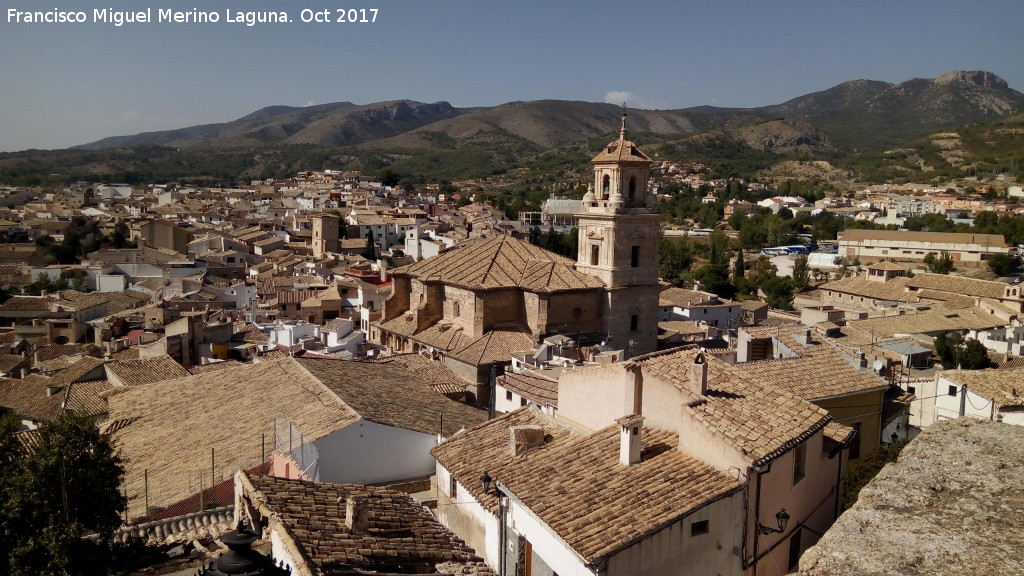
<point>368,453</point>
<point>555,553</point>
<point>467,518</point>
<point>674,549</point>
<point>595,396</point>
<point>111,283</point>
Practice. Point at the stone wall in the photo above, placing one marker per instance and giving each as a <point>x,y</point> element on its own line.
<point>950,505</point>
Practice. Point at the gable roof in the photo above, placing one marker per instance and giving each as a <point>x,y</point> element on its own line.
<point>760,421</point>
<point>895,289</point>
<point>818,371</point>
<point>399,530</point>
<point>44,399</point>
<point>1005,387</point>
<point>231,411</point>
<point>391,394</point>
<point>859,235</point>
<point>439,377</point>
<point>532,386</point>
<point>501,262</point>
<point>145,370</point>
<point>957,284</point>
<point>575,484</point>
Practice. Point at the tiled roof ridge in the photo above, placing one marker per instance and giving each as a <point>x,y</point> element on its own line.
<point>770,361</point>
<point>650,355</point>
<point>793,443</point>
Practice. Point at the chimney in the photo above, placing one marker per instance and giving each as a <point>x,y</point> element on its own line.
<point>51,390</point>
<point>523,438</point>
<point>804,337</point>
<point>630,433</point>
<point>699,374</point>
<point>356,514</point>
<point>744,351</point>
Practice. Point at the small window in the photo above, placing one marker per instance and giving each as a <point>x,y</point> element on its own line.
<point>799,463</point>
<point>634,257</point>
<point>699,527</point>
<point>952,391</point>
<point>508,395</point>
<point>453,486</point>
<point>455,308</point>
<point>911,390</point>
<point>634,322</point>
<point>522,401</point>
<point>636,430</point>
<point>595,254</point>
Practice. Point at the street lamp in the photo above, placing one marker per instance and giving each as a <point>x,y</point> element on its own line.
<point>782,517</point>
<point>241,559</point>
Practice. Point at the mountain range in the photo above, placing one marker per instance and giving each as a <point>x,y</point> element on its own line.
<point>856,125</point>
<point>860,114</point>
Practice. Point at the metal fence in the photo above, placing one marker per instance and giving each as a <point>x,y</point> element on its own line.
<point>291,442</point>
<point>155,495</point>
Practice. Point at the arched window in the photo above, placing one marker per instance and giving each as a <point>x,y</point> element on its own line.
<point>606,185</point>
<point>455,308</point>
<point>632,187</point>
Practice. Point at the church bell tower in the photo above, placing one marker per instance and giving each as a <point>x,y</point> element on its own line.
<point>618,243</point>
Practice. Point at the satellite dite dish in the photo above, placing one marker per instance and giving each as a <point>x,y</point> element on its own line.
<point>878,366</point>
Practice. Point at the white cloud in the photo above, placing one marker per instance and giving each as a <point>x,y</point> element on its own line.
<point>631,100</point>
<point>618,97</point>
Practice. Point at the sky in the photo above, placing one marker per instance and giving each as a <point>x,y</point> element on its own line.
<point>64,84</point>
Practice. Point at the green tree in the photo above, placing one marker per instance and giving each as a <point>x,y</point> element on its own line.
<point>801,273</point>
<point>714,278</point>
<point>1002,264</point>
<point>974,356</point>
<point>986,222</point>
<point>69,486</point>
<point>369,251</point>
<point>707,216</point>
<point>954,351</point>
<point>778,292</point>
<point>762,271</point>
<point>388,177</point>
<point>941,264</point>
<point>674,260</point>
<point>739,268</point>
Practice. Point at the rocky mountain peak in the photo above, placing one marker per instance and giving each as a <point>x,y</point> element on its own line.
<point>977,77</point>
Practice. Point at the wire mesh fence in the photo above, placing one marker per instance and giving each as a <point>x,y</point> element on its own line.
<point>291,442</point>
<point>169,491</point>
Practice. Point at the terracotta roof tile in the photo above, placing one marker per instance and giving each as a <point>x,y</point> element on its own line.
<point>532,386</point>
<point>957,285</point>
<point>391,394</point>
<point>1006,387</point>
<point>44,399</point>
<point>144,371</point>
<point>895,289</point>
<point>501,262</point>
<point>815,372</point>
<point>231,411</point>
<point>562,480</point>
<point>761,421</point>
<point>313,515</point>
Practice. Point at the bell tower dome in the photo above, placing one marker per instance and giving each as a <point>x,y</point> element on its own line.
<point>618,242</point>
